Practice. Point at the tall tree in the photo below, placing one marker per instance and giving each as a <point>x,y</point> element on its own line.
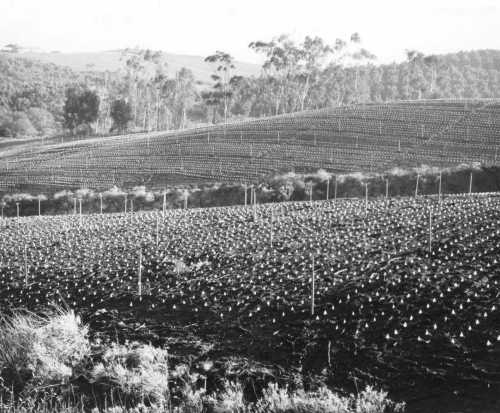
<point>121,113</point>
<point>81,108</point>
<point>223,80</point>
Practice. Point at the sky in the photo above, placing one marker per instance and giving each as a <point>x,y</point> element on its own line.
<point>200,27</point>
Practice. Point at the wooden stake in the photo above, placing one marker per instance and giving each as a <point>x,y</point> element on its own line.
<point>39,207</point>
<point>470,184</point>
<point>164,204</point>
<point>313,286</point>
<point>17,207</point>
<point>366,199</point>
<point>387,189</point>
<point>25,264</point>
<point>272,222</point>
<point>430,230</point>
<point>139,281</point>
<point>416,186</point>
<point>157,230</point>
<point>440,188</point>
<point>335,189</point>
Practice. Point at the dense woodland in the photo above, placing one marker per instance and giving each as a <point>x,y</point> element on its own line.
<point>44,99</point>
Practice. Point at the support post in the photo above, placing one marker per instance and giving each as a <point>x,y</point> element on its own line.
<point>17,207</point>
<point>366,199</point>
<point>387,189</point>
<point>430,230</point>
<point>313,286</point>
<point>272,223</point>
<point>139,280</point>
<point>25,265</point>
<point>416,186</point>
<point>335,189</point>
<point>470,184</point>
<point>157,231</point>
<point>440,188</point>
<point>327,188</point>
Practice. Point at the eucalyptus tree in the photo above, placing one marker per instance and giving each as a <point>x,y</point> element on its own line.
<point>224,81</point>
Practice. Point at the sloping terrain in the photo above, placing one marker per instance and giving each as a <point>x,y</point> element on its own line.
<point>111,60</point>
<point>358,138</point>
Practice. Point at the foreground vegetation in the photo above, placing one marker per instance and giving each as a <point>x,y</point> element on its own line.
<point>48,363</point>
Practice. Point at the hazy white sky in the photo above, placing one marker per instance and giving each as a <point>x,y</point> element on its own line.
<point>387,27</point>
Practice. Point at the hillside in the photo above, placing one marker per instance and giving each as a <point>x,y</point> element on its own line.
<point>111,60</point>
<point>357,138</point>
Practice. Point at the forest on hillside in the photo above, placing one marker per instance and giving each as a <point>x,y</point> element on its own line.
<point>44,99</point>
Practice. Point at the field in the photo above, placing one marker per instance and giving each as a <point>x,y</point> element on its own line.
<point>402,293</point>
<point>358,138</point>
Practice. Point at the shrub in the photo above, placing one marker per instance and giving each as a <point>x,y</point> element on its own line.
<point>138,372</point>
<point>41,350</point>
<point>281,400</point>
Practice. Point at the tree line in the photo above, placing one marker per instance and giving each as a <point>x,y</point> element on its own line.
<point>45,99</point>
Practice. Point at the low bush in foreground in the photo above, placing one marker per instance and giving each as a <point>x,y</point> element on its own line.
<point>48,364</point>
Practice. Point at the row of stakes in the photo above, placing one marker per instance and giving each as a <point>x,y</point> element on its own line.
<point>252,201</point>
<point>253,197</point>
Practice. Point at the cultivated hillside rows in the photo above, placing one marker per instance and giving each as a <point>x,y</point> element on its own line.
<point>371,137</point>
<point>392,290</point>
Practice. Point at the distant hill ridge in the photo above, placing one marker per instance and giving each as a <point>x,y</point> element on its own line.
<point>110,60</point>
